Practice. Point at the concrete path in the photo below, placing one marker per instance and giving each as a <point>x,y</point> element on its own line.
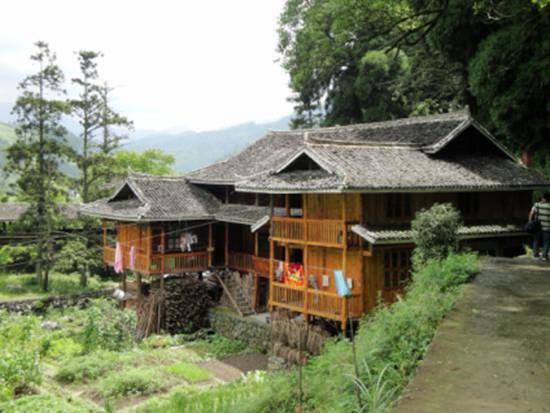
<point>492,352</point>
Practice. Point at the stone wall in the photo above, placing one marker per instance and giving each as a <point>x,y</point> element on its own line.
<point>253,332</point>
<point>38,305</point>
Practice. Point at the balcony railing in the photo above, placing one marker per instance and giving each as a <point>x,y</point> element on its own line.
<point>249,263</point>
<point>315,302</point>
<point>321,232</point>
<point>160,263</point>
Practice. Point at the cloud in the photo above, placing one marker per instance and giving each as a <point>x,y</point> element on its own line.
<point>201,65</point>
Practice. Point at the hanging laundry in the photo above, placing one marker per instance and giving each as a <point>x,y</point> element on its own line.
<point>186,240</point>
<point>119,265</point>
<point>279,272</point>
<point>133,258</point>
<point>341,285</point>
<point>295,274</point>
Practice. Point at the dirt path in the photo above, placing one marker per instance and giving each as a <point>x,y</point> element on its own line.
<point>492,353</point>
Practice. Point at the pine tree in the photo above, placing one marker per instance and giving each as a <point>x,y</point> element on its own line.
<point>39,148</point>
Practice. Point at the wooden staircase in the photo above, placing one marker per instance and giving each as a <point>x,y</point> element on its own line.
<point>235,294</point>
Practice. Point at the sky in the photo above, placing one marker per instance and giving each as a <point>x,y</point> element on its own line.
<point>175,65</point>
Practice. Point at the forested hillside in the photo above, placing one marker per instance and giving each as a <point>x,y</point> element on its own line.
<point>194,150</point>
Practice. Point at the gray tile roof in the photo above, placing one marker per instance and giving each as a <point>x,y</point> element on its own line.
<point>383,156</point>
<point>404,236</point>
<point>11,211</point>
<point>158,198</point>
<point>243,214</point>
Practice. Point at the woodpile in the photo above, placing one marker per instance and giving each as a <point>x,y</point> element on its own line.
<point>180,306</point>
<point>294,339</point>
<point>186,304</point>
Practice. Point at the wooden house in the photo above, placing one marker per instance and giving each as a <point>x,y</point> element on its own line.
<point>296,206</point>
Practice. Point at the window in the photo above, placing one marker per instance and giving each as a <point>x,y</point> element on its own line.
<point>397,268</point>
<point>398,205</point>
<point>468,204</point>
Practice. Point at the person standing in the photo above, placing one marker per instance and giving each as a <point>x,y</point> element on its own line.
<point>535,229</point>
<point>541,210</point>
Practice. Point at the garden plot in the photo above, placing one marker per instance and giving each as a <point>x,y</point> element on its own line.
<point>89,363</point>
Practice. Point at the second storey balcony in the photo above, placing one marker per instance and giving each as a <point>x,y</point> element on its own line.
<point>317,232</point>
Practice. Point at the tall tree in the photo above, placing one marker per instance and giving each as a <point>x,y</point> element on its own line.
<point>113,130</point>
<point>151,161</point>
<point>87,109</point>
<point>39,148</point>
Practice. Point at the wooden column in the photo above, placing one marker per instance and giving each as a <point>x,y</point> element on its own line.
<point>271,272</point>
<point>287,205</point>
<point>138,275</point>
<point>256,242</point>
<point>104,235</point>
<point>210,247</point>
<point>344,256</point>
<point>306,257</point>
<point>226,244</point>
<point>162,246</point>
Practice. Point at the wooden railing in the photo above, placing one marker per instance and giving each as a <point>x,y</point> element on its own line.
<point>316,302</point>
<point>241,261</point>
<point>321,232</point>
<point>161,263</point>
<point>261,265</point>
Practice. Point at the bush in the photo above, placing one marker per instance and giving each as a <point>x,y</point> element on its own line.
<point>435,232</point>
<point>86,368</point>
<point>18,257</point>
<point>19,347</point>
<point>134,382</point>
<point>61,348</point>
<point>108,328</point>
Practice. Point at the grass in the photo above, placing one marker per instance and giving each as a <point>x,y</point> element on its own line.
<point>23,286</point>
<point>217,346</point>
<point>190,372</point>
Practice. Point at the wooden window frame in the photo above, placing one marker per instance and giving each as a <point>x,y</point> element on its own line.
<point>398,206</point>
<point>397,268</point>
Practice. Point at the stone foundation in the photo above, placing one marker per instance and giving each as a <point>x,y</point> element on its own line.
<point>256,334</point>
<point>38,305</point>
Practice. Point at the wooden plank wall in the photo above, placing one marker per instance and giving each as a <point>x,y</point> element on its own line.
<point>329,206</point>
<point>493,205</point>
<point>323,261</point>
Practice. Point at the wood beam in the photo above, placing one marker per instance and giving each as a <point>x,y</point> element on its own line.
<point>271,272</point>
<point>226,246</point>
<point>162,247</point>
<point>210,247</point>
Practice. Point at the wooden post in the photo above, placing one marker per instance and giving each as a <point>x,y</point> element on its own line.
<point>287,205</point>
<point>344,237</point>
<point>162,247</point>
<point>104,235</point>
<point>161,303</point>
<point>256,244</point>
<point>271,273</point>
<point>139,286</point>
<point>226,244</point>
<point>210,249</point>
<point>306,282</point>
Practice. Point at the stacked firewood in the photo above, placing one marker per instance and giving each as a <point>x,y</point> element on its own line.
<point>293,339</point>
<point>186,304</point>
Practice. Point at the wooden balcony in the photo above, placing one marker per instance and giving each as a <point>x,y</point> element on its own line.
<point>160,263</point>
<point>319,232</point>
<point>249,263</point>
<point>315,302</point>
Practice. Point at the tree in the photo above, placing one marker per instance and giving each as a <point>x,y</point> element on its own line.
<point>344,69</point>
<point>39,147</point>
<point>88,110</point>
<point>151,161</point>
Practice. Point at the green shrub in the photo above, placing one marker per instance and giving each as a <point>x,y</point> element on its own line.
<point>133,382</point>
<point>157,341</point>
<point>88,367</point>
<point>20,354</point>
<point>218,346</point>
<point>108,327</point>
<point>61,348</point>
<point>435,232</point>
<point>189,371</point>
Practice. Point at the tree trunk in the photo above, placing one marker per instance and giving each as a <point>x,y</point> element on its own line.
<point>84,274</point>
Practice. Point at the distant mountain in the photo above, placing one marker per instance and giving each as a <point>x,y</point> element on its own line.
<point>7,137</point>
<point>194,150</point>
